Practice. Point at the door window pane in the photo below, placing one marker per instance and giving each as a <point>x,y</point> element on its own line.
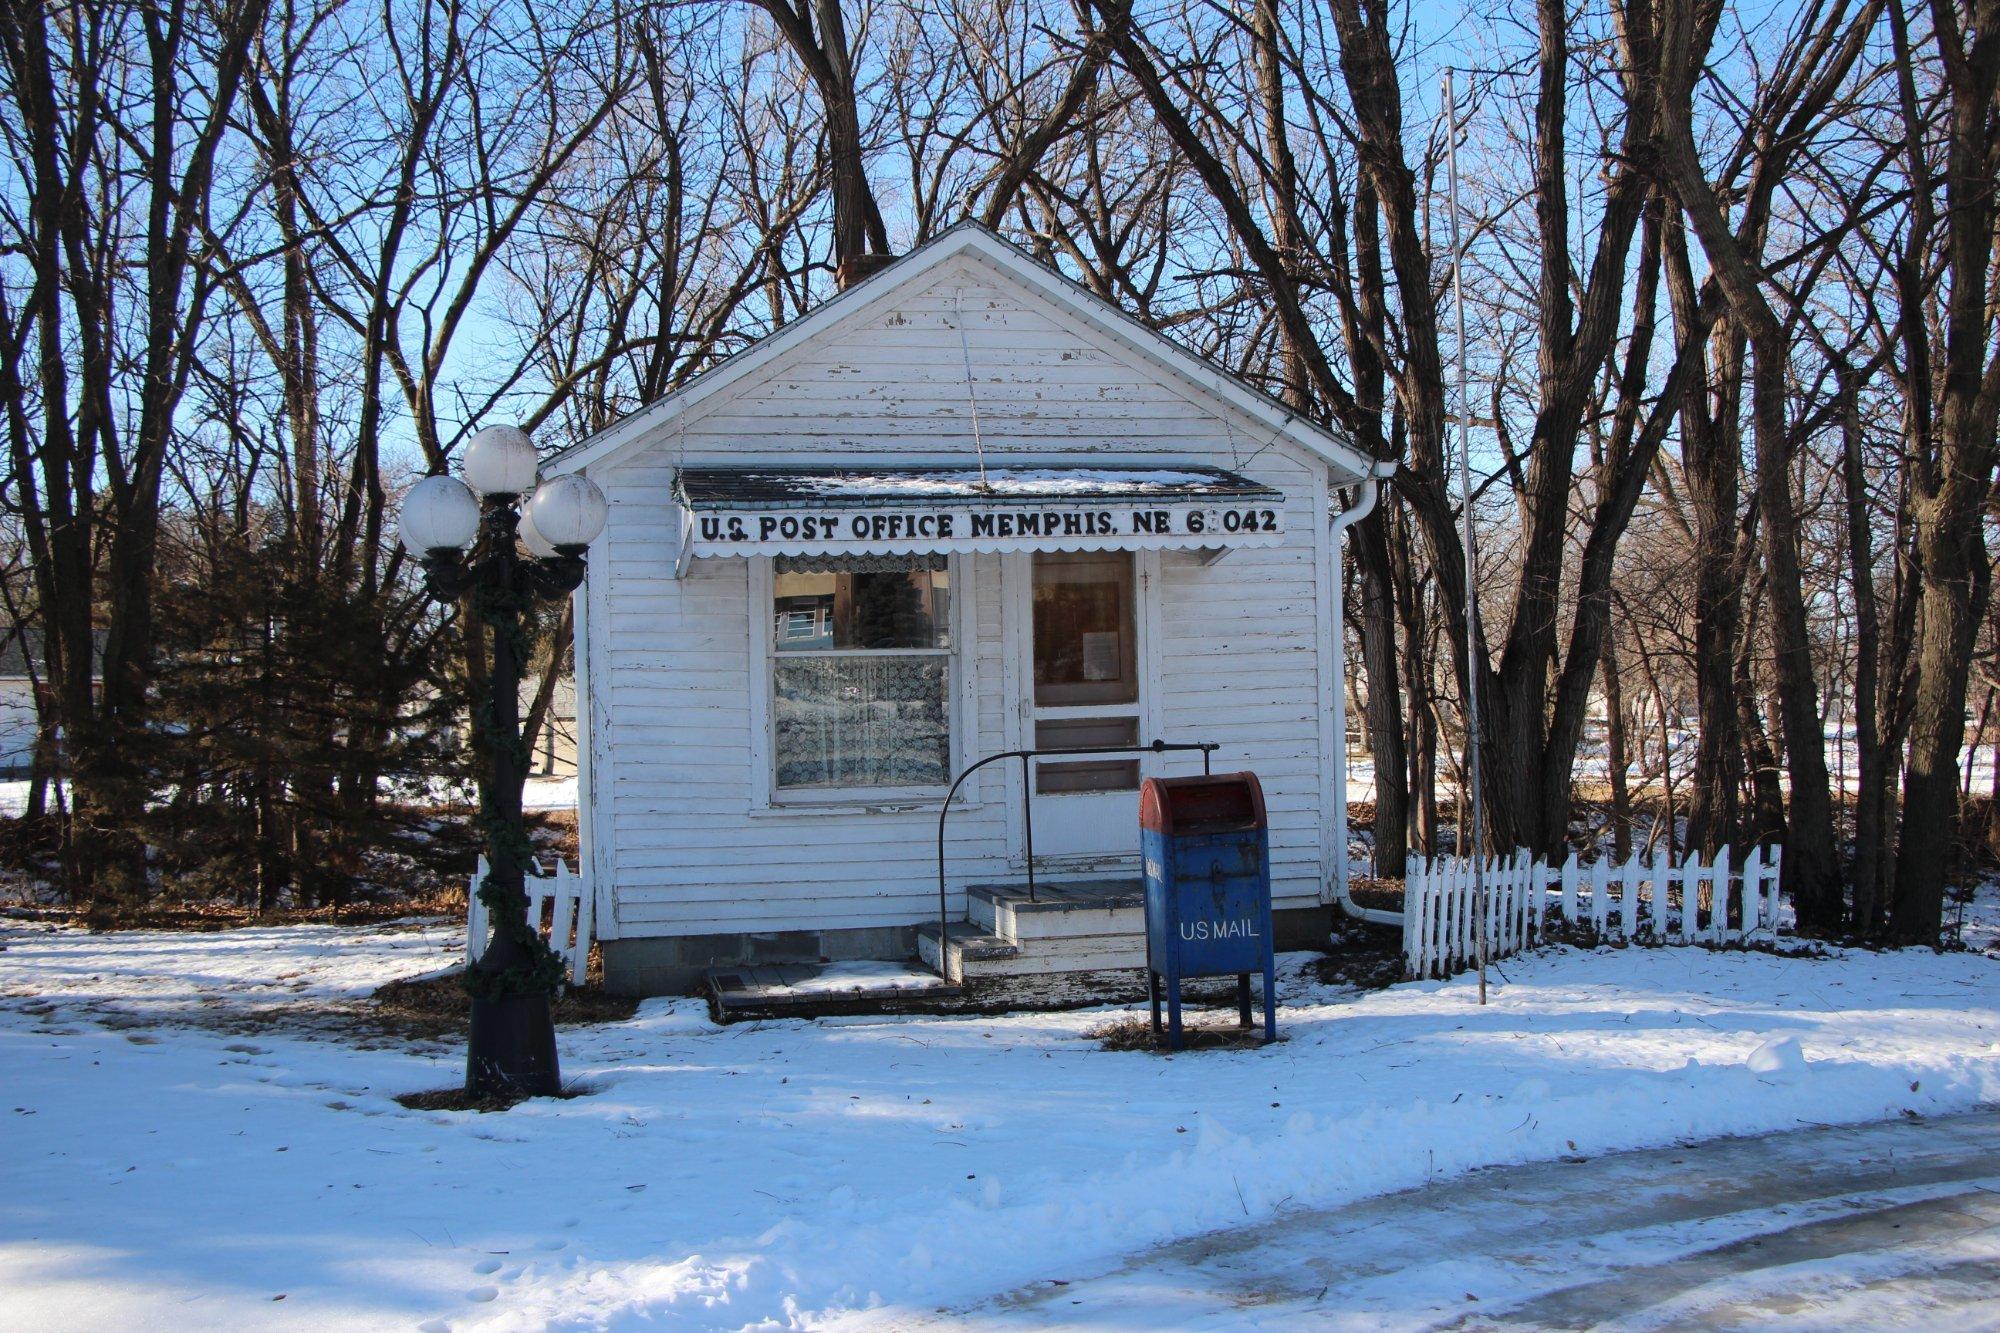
<point>1085,648</point>
<point>1102,773</point>
<point>898,608</point>
<point>861,721</point>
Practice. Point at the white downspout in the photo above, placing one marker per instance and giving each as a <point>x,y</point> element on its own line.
<point>1343,519</point>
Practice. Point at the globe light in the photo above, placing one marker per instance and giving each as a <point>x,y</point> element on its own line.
<point>438,513</point>
<point>568,511</point>
<point>538,546</point>
<point>501,461</point>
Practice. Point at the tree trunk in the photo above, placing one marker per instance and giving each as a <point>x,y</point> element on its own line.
<point>1767,793</point>
<point>44,763</point>
<point>1664,814</point>
<point>860,240</point>
<point>855,221</point>
<point>1868,823</point>
<point>1420,708</point>
<point>1711,454</point>
<point>1811,869</point>
<point>1616,753</point>
<point>535,724</point>
<point>1978,743</point>
<point>1951,487</point>
<point>1385,698</point>
<point>1828,49</point>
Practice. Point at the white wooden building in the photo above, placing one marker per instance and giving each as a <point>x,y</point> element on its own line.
<point>964,507</point>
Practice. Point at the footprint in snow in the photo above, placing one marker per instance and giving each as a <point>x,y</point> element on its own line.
<point>553,1244</point>
<point>485,1266</point>
<point>480,1295</point>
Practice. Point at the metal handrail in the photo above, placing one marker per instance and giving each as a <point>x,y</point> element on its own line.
<point>1027,757</point>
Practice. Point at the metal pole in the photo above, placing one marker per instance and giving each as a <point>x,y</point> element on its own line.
<point>511,1045</point>
<point>1475,797</point>
<point>1028,818</point>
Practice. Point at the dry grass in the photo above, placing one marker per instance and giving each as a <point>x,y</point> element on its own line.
<point>1370,969</point>
<point>210,917</point>
<point>1135,1033</point>
<point>1383,895</point>
<point>421,870</point>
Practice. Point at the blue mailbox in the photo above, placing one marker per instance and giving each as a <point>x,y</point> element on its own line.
<point>1207,849</point>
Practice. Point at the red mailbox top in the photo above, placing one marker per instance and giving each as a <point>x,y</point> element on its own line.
<point>1221,803</point>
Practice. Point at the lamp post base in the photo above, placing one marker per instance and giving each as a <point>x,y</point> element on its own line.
<point>512,1049</point>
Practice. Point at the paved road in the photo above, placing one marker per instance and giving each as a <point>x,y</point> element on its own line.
<point>1881,1226</point>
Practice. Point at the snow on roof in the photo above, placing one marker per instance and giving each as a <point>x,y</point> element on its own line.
<point>712,487</point>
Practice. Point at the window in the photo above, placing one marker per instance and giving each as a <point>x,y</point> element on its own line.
<point>1084,648</point>
<point>1103,773</point>
<point>861,674</point>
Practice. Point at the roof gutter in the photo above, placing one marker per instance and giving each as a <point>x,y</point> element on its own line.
<point>1342,520</point>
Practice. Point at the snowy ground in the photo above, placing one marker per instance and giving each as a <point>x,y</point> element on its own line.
<point>14,797</point>
<point>1894,1224</point>
<point>537,793</point>
<point>184,1149</point>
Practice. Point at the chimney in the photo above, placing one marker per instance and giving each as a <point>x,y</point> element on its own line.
<point>858,268</point>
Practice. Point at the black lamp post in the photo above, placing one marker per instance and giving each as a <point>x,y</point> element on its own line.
<point>512,1051</point>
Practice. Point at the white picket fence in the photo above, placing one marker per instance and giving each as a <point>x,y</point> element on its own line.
<point>559,905</point>
<point>1654,900</point>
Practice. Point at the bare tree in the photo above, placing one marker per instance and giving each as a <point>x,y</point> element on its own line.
<point>116,116</point>
<point>1952,464</point>
<point>816,31</point>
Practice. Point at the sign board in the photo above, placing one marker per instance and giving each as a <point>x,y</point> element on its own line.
<point>1054,526</point>
<point>809,512</point>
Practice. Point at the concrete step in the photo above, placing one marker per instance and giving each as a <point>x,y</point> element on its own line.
<point>1086,953</point>
<point>1100,957</point>
<point>1059,909</point>
<point>963,950</point>
<point>970,953</point>
<point>817,990</point>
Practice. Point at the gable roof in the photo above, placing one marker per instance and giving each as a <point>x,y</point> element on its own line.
<point>1174,363</point>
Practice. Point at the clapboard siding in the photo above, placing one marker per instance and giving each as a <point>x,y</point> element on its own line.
<point>683,832</point>
<point>1239,659</point>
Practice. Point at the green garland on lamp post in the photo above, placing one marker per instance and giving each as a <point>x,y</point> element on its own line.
<point>511,1051</point>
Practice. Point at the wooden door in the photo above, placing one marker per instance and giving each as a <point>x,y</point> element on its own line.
<point>1086,667</point>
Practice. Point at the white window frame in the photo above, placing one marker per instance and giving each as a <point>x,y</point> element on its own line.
<point>960,702</point>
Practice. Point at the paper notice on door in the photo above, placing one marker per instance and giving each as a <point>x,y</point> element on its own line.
<point>1101,655</point>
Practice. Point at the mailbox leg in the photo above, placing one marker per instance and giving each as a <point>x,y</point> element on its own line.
<point>1270,1001</point>
<point>1173,1011</point>
<point>1153,994</point>
<point>1243,999</point>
